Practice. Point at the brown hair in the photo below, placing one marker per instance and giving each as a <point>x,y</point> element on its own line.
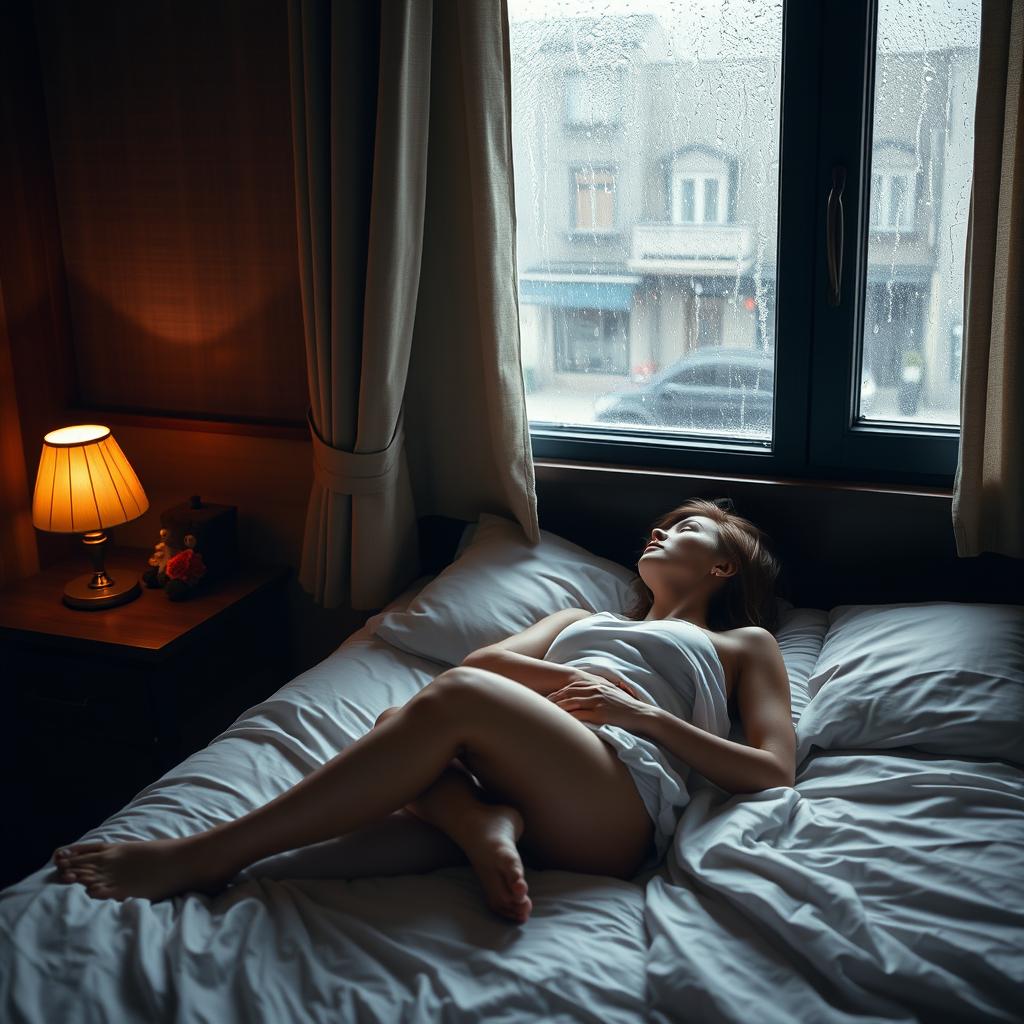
<point>747,598</point>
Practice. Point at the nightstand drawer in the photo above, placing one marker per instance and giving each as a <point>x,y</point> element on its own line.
<point>99,715</point>
<point>49,669</point>
<point>58,693</point>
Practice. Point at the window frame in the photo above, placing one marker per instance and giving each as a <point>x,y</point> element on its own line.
<point>913,453</point>
<point>827,96</point>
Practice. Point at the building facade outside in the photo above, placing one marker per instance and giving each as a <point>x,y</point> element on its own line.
<point>647,210</point>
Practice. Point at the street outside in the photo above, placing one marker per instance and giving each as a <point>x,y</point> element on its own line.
<point>576,405</point>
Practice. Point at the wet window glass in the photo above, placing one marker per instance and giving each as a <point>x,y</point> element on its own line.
<point>926,73</point>
<point>663,261</point>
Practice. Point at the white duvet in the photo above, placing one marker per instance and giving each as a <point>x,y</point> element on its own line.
<point>887,886</point>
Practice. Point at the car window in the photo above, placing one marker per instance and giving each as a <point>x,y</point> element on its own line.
<point>749,376</point>
<point>705,373</point>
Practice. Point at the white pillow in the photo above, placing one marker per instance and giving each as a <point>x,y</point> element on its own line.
<point>800,635</point>
<point>498,585</point>
<point>942,676</point>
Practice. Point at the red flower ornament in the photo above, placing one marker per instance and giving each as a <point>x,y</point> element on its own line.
<point>187,566</point>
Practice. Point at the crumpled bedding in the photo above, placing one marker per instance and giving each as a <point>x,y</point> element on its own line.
<point>885,887</point>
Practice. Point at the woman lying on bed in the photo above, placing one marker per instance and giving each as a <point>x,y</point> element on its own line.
<point>523,755</point>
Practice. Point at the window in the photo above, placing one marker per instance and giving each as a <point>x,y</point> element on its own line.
<point>687,212</point>
<point>591,341</point>
<point>731,133</point>
<point>925,84</point>
<point>698,200</point>
<point>893,201</point>
<point>594,193</point>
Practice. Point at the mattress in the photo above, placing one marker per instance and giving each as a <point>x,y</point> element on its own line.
<point>881,888</point>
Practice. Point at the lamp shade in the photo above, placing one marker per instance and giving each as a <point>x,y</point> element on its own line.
<point>84,482</point>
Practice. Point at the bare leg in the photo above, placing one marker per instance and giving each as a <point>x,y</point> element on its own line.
<point>486,831</point>
<point>397,844</point>
<point>451,822</point>
<point>582,811</point>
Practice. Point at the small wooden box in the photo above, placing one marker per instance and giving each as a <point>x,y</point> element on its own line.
<point>215,528</point>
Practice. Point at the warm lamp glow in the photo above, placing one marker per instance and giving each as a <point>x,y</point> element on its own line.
<point>84,482</point>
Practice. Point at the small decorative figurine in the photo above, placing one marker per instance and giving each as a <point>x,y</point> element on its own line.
<point>197,548</point>
<point>177,571</point>
<point>155,575</point>
<point>184,570</point>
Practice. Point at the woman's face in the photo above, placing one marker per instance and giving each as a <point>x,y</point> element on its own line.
<point>684,554</point>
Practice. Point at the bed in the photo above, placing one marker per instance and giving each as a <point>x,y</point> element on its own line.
<point>887,885</point>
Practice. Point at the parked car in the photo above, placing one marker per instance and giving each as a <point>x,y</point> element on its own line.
<point>714,388</point>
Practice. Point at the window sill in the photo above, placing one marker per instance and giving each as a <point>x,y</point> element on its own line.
<point>770,480</point>
<point>729,458</point>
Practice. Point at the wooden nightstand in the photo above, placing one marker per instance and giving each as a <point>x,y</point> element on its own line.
<point>98,704</point>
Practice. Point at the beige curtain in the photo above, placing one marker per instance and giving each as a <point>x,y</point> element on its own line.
<point>988,493</point>
<point>406,225</point>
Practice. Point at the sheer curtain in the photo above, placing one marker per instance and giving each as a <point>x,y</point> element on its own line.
<point>988,495</point>
<point>404,201</point>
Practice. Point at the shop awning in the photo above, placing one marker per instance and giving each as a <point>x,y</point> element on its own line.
<point>577,294</point>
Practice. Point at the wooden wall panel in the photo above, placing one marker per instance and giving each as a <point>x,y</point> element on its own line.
<point>18,555</point>
<point>171,139</point>
<point>31,262</point>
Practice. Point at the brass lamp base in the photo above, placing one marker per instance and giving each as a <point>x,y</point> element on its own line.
<point>96,589</point>
<point>80,593</point>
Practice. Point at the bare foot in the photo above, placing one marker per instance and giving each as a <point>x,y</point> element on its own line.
<point>488,837</point>
<point>153,869</point>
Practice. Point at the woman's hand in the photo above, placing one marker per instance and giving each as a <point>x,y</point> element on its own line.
<point>602,700</point>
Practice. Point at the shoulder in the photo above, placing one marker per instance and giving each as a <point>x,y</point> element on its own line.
<point>754,639</point>
<point>742,651</point>
<point>755,646</point>
<point>746,642</point>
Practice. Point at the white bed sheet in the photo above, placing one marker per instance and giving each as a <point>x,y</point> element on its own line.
<point>885,887</point>
<point>415,947</point>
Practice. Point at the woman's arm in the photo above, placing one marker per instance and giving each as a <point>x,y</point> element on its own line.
<point>764,706</point>
<point>520,657</point>
<point>735,767</point>
<point>763,700</point>
<point>541,676</point>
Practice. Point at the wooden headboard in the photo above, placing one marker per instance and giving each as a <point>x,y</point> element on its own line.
<point>838,543</point>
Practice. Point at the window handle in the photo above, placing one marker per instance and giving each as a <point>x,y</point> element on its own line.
<point>834,234</point>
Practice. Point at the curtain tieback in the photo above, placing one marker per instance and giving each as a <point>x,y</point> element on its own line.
<point>343,472</point>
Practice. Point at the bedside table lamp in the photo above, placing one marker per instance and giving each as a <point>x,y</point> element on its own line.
<point>86,485</point>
